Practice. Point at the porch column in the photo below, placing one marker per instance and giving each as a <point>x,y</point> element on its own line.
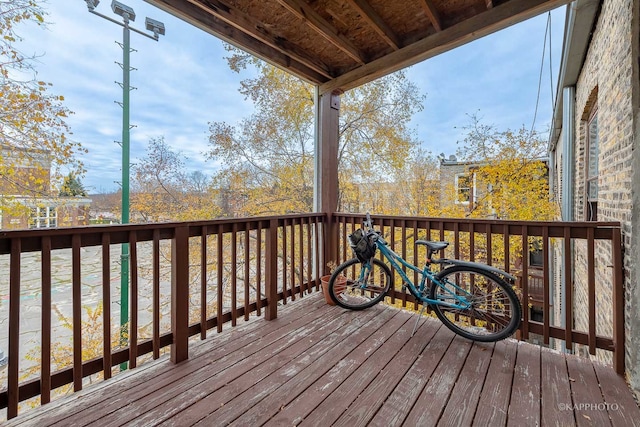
<point>326,168</point>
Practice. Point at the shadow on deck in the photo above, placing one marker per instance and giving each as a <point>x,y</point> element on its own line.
<point>321,365</point>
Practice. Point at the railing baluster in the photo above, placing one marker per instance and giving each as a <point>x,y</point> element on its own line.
<point>234,273</point>
<point>392,238</point>
<point>403,226</point>
<point>310,255</point>
<point>180,294</point>
<point>133,265</point>
<point>489,246</point>
<point>271,270</point>
<point>524,281</point>
<point>284,262</point>
<point>568,300</point>
<point>203,283</point>
<point>317,254</point>
<point>219,278</point>
<point>106,305</point>
<point>507,236</point>
<point>591,286</point>
<point>76,302</point>
<point>14,328</point>
<point>247,289</point>
<point>45,351</point>
<point>545,284</point>
<point>293,260</point>
<point>618,301</point>
<point>301,256</point>
<point>156,293</point>
<point>259,269</point>
<point>415,259</point>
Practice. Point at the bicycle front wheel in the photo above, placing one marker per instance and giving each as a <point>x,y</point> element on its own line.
<point>349,290</point>
<point>493,309</point>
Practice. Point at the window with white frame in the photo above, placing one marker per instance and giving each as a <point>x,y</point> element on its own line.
<point>43,217</point>
<point>591,166</point>
<point>465,187</point>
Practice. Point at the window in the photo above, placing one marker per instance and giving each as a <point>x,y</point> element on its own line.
<point>43,217</point>
<point>465,188</point>
<point>591,172</point>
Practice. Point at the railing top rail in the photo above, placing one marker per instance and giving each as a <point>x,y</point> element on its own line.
<point>501,222</point>
<point>119,233</point>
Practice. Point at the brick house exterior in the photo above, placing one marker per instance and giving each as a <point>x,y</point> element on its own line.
<point>595,157</point>
<point>29,185</point>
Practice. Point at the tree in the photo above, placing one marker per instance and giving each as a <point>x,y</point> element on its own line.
<point>33,132</point>
<point>267,159</point>
<point>162,191</point>
<point>512,167</point>
<point>72,187</point>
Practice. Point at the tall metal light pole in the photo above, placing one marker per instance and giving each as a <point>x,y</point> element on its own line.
<point>157,28</point>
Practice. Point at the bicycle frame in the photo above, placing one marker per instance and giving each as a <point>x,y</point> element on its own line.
<point>459,297</point>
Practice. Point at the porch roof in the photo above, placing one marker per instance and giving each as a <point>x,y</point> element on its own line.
<point>341,44</point>
<point>322,365</point>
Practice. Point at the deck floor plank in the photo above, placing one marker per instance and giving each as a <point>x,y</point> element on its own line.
<point>585,390</point>
<point>133,384</point>
<point>322,365</point>
<point>461,406</point>
<point>496,393</point>
<point>265,377</point>
<point>213,376</point>
<point>367,403</point>
<point>555,389</point>
<point>524,406</point>
<point>433,399</point>
<point>395,409</point>
<point>309,400</point>
<point>290,387</point>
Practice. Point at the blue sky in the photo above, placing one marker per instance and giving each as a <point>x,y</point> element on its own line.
<point>183,83</point>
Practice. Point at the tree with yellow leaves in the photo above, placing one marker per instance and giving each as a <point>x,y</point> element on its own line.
<point>512,170</point>
<point>267,160</point>
<point>34,143</point>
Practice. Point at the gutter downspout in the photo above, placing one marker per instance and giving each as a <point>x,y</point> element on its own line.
<point>568,167</point>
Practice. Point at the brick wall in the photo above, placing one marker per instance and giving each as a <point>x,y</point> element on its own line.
<point>607,82</point>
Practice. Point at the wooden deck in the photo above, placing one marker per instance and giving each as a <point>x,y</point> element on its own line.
<point>318,365</point>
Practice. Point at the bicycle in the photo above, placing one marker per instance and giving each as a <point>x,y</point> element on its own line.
<point>474,300</point>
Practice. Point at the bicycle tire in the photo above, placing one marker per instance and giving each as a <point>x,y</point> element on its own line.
<point>496,310</point>
<point>348,293</point>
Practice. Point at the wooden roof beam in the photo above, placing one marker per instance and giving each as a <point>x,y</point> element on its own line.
<point>311,18</point>
<point>490,21</point>
<point>378,25</point>
<point>222,30</point>
<point>257,30</point>
<point>432,13</point>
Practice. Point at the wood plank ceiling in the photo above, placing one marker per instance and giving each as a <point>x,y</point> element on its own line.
<point>341,44</point>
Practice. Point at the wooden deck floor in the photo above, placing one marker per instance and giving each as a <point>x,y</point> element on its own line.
<point>318,365</point>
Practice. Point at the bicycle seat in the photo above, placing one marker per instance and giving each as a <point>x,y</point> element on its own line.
<point>433,246</point>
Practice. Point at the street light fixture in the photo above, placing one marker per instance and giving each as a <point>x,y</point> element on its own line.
<point>157,28</point>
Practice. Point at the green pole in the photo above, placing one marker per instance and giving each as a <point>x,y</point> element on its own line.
<point>124,266</point>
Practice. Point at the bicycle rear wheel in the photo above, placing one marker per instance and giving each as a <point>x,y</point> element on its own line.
<point>348,291</point>
<point>494,310</point>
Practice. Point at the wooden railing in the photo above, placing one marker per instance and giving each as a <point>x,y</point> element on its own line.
<point>581,271</point>
<point>185,279</point>
<point>189,278</point>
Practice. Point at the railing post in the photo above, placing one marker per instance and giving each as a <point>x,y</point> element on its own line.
<point>618,302</point>
<point>180,294</point>
<point>271,270</point>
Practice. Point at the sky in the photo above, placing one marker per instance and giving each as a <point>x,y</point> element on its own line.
<point>183,83</point>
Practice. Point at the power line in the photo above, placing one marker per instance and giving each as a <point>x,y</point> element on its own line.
<point>547,31</point>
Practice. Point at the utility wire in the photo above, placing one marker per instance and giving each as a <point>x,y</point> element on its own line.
<point>547,31</point>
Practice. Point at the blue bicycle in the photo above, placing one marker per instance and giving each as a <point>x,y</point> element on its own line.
<point>474,300</point>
